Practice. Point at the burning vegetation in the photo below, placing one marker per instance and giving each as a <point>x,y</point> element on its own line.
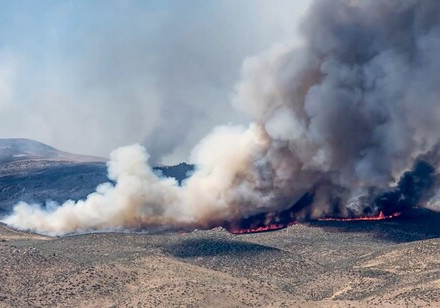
<point>258,226</point>
<point>413,188</point>
<point>337,121</point>
<point>381,216</point>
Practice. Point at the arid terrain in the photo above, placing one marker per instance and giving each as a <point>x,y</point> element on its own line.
<point>322,264</point>
<point>223,153</point>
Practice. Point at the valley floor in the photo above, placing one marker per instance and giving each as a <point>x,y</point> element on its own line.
<point>390,263</point>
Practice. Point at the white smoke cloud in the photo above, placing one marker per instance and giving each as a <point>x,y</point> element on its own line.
<point>141,199</point>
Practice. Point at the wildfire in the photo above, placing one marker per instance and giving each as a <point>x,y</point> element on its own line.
<point>271,227</point>
<point>381,216</point>
<point>261,227</point>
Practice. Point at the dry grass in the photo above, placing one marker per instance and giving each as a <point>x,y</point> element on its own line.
<point>305,266</point>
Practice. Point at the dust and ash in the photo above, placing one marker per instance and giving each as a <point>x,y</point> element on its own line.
<point>345,125</point>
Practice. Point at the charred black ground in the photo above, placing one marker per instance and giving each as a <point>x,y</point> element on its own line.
<point>414,187</point>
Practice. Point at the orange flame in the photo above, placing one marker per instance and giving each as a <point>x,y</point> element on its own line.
<point>271,227</point>
<point>381,216</point>
<point>279,226</point>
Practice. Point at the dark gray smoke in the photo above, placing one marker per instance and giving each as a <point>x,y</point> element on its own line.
<point>345,125</point>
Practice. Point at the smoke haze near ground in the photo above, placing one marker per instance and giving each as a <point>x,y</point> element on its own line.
<point>351,117</point>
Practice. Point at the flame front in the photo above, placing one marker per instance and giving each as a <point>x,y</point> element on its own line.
<point>381,216</point>
<point>271,227</point>
<point>257,226</point>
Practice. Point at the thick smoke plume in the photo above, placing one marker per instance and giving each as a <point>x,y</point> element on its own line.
<point>345,125</point>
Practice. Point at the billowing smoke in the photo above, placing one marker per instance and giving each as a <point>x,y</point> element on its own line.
<point>346,124</point>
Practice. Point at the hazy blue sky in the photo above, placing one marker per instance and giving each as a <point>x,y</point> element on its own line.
<point>89,76</point>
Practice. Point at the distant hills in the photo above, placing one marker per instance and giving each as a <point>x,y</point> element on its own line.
<point>18,149</point>
<point>35,172</point>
